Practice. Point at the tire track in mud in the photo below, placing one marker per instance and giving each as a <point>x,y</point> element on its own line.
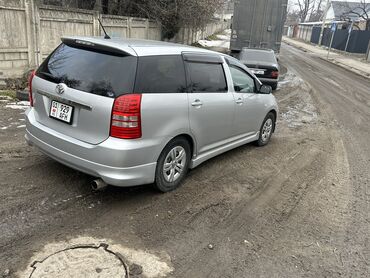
<point>346,110</point>
<point>247,205</point>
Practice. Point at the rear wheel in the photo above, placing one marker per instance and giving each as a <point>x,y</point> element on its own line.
<point>172,165</point>
<point>274,86</point>
<point>267,128</point>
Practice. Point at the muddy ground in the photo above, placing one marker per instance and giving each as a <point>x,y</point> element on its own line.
<point>298,207</point>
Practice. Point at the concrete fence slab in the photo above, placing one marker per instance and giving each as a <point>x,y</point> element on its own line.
<point>29,33</point>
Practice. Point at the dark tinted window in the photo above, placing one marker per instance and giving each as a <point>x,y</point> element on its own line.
<point>90,71</point>
<point>160,74</point>
<point>252,55</point>
<point>207,77</point>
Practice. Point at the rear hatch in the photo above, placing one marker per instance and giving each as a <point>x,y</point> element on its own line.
<point>75,87</point>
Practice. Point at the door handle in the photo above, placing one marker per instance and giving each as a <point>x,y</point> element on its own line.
<point>197,103</point>
<point>239,101</point>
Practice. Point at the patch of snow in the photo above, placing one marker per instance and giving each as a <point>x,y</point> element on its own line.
<point>21,126</point>
<point>154,265</point>
<point>5,98</point>
<point>223,37</point>
<point>23,105</point>
<point>217,43</point>
<point>291,80</point>
<point>222,42</point>
<point>304,112</point>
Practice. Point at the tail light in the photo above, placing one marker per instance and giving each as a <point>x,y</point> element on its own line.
<point>30,78</point>
<point>126,117</point>
<point>275,74</point>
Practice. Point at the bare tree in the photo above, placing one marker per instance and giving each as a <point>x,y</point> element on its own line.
<point>308,10</point>
<point>317,11</point>
<point>360,10</point>
<point>305,8</point>
<point>172,14</point>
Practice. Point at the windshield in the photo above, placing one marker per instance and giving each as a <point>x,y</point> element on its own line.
<point>90,71</point>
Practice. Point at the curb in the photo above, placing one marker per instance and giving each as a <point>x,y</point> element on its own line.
<point>334,62</point>
<point>347,68</point>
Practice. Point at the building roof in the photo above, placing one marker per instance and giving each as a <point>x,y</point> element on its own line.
<point>352,10</point>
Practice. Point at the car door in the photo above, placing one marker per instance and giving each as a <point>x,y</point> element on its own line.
<point>211,105</point>
<point>249,109</point>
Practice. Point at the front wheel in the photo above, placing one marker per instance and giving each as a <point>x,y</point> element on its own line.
<point>172,165</point>
<point>267,128</point>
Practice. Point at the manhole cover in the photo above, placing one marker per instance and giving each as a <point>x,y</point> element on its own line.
<point>81,261</point>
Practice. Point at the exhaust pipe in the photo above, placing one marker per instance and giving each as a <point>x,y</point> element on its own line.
<point>98,185</point>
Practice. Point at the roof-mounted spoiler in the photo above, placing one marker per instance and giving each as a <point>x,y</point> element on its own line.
<point>93,46</point>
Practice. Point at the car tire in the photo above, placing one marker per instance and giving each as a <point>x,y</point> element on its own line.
<point>267,128</point>
<point>172,165</point>
<point>274,86</point>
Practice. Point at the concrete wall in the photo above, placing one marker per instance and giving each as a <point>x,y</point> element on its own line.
<point>28,32</point>
<point>189,36</point>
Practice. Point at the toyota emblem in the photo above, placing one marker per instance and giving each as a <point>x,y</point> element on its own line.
<point>60,89</point>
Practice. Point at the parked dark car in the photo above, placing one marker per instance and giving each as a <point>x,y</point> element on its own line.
<point>263,63</point>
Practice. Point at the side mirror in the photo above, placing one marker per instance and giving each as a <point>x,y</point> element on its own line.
<point>265,89</point>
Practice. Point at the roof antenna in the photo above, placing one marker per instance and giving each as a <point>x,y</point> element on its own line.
<point>106,36</point>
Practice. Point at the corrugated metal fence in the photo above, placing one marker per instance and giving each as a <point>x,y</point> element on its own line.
<point>357,43</point>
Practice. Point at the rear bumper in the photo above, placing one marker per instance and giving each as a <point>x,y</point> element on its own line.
<point>117,162</point>
<point>269,81</point>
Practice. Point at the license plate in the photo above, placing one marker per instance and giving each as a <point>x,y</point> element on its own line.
<point>61,112</point>
<point>258,72</point>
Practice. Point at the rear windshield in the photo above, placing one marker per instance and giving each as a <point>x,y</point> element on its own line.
<point>90,71</point>
<point>258,56</point>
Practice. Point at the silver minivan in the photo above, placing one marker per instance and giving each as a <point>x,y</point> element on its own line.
<point>132,112</point>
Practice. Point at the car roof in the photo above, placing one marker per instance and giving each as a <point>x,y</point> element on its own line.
<point>139,47</point>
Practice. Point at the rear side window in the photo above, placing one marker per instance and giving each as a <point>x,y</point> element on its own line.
<point>206,77</point>
<point>90,71</point>
<point>160,74</point>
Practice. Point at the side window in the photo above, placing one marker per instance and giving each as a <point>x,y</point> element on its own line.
<point>206,77</point>
<point>160,74</point>
<point>242,81</point>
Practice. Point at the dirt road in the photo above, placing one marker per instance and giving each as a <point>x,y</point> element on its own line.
<point>296,208</point>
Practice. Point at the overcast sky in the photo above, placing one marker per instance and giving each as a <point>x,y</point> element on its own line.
<point>294,2</point>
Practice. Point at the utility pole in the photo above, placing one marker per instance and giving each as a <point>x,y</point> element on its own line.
<point>333,30</point>
<point>324,21</point>
<point>349,36</point>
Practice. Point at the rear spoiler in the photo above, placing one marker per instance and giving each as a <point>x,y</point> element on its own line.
<point>94,46</point>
